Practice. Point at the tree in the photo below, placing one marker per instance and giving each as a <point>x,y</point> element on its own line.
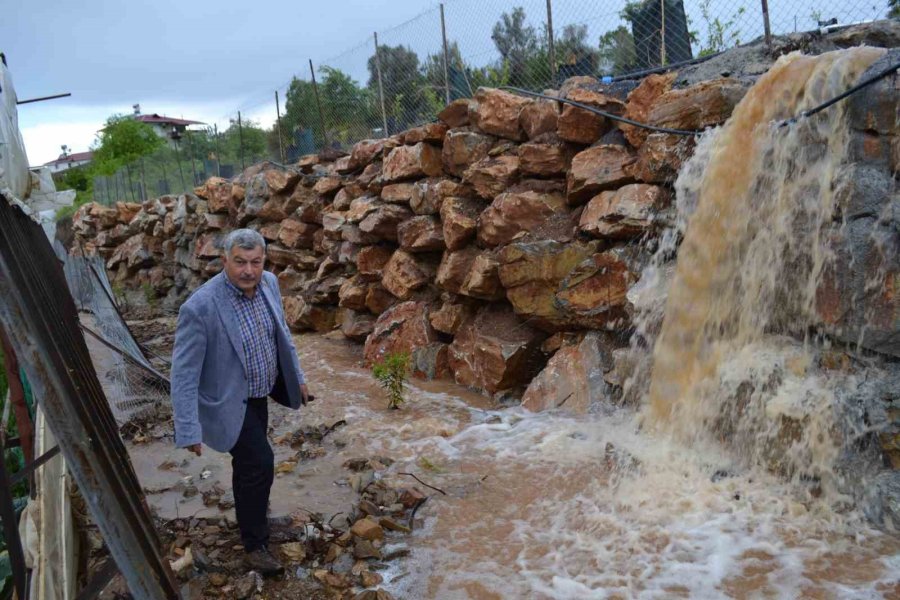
<point>517,44</point>
<point>300,113</point>
<point>348,108</point>
<point>122,142</point>
<point>894,5</point>
<point>617,53</point>
<point>405,96</point>
<point>572,46</point>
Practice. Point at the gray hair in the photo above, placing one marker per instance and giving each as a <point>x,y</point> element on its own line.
<point>248,239</point>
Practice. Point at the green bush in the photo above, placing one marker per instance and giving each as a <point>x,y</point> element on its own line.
<point>391,373</point>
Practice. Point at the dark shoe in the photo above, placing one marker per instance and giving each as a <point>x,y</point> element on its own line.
<point>262,561</point>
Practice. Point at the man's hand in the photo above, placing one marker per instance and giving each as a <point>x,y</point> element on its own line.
<point>304,393</point>
<point>195,448</point>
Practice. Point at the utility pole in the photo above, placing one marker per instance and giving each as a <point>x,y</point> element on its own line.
<point>380,87</point>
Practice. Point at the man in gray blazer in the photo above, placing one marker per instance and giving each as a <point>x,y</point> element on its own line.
<point>232,351</point>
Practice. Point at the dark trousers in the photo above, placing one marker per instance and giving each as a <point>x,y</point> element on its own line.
<point>253,470</point>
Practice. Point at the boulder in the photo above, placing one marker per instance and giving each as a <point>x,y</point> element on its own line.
<point>126,212</point>
<point>371,260</point>
<point>494,350</point>
<point>332,224</point>
<point>549,158</point>
<point>705,104</point>
<point>660,157</point>
<point>303,316</point>
<point>431,361</point>
<point>412,162</point>
<point>459,218</point>
<point>346,195</point>
<point>398,193</point>
<point>594,293</point>
<point>405,273</point>
<point>641,101</point>
<point>597,169</point>
<point>483,278</point>
<point>364,152</point>
<point>497,112</point>
<point>277,254</point>
<point>463,148</point>
<point>492,175</point>
<point>512,213</point>
<point>328,186</point>
<point>273,209</point>
<point>428,195</point>
<point>401,328</point>
<point>421,234</point>
<point>360,208</point>
<point>584,127</point>
<point>219,197</point>
<point>135,253</point>
<point>456,114</point>
<point>270,231</point>
<point>539,117</point>
<point>291,280</point>
<point>432,133</point>
<point>353,292</point>
<point>379,299</point>
<point>455,267</point>
<point>625,213</point>
<point>573,378</point>
<point>356,325</point>
<point>450,316</point>
<point>383,222</point>
<point>280,181</point>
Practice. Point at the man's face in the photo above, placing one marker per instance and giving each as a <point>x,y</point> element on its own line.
<point>244,267</point>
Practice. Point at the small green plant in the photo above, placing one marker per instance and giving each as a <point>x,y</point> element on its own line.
<point>391,373</point>
<point>149,294</point>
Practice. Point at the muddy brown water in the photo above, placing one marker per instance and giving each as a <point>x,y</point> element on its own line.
<point>550,505</point>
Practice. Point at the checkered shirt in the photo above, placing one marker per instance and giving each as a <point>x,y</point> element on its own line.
<point>258,338</point>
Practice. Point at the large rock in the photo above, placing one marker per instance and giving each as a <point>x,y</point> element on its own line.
<point>383,222</point>
<point>597,169</point>
<point>641,101</point>
<point>625,213</point>
<point>421,234</point>
<point>463,148</point>
<point>512,213</point>
<point>405,273</point>
<point>699,106</point>
<point>402,328</point>
<point>660,157</point>
<point>450,316</point>
<point>356,325</point>
<point>573,380</point>
<point>346,195</point>
<point>539,117</point>
<point>398,193</point>
<point>483,278</point>
<point>594,293</point>
<point>492,175</point>
<point>432,133</point>
<point>281,182</point>
<point>412,162</point>
<point>494,351</point>
<point>329,185</point>
<point>379,299</point>
<point>332,223</point>
<point>428,195</point>
<point>580,126</point>
<point>353,292</point>
<point>497,112</point>
<point>277,254</point>
<point>134,253</point>
<point>456,114</point>
<point>304,316</point>
<point>218,193</point>
<point>431,361</point>
<point>548,158</point>
<point>454,268</point>
<point>372,259</point>
<point>360,208</point>
<point>459,217</point>
<point>296,234</point>
<point>364,152</point>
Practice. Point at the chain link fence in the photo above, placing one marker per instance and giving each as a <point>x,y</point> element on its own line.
<point>402,77</point>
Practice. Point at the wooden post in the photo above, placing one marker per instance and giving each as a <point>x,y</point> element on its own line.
<point>550,45</point>
<point>319,103</point>
<point>446,58</point>
<point>381,87</point>
<point>278,124</point>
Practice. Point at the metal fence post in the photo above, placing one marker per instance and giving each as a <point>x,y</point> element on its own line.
<point>278,123</point>
<point>662,33</point>
<point>180,169</point>
<point>446,58</point>
<point>312,73</point>
<point>381,87</point>
<point>550,45</point>
<point>191,152</point>
<point>218,155</point>
<point>765,12</point>
<point>241,140</point>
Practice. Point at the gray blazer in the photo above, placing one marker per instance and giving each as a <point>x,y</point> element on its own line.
<point>209,374</point>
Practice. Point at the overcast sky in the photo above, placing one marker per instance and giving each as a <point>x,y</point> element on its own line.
<point>204,60</point>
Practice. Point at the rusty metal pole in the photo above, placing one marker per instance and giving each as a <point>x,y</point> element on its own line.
<point>765,12</point>
<point>312,73</point>
<point>446,58</point>
<point>662,33</point>
<point>278,124</point>
<point>17,398</point>
<point>11,526</point>
<point>381,87</point>
<point>551,47</point>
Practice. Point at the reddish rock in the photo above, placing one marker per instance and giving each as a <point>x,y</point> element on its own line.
<point>431,361</point>
<point>402,328</point>
<point>640,101</point>
<point>356,325</point>
<point>660,158</point>
<point>545,159</point>
<point>421,234</point>
<point>463,148</point>
<point>384,220</point>
<point>594,293</point>
<point>430,132</point>
<point>308,160</point>
<point>699,106</point>
<point>361,208</point>
<point>364,152</point>
<point>539,117</point>
<point>597,169</point>
<point>625,213</point>
<point>348,252</point>
<point>126,212</point>
<point>584,127</point>
<point>342,165</point>
<point>459,217</point>
<point>354,235</point>
<point>372,259</point>
<point>412,162</point>
<point>450,316</point>
<point>332,223</point>
<point>346,195</point>
<point>296,234</point>
<point>291,280</point>
<point>454,268</point>
<point>573,379</point>
<point>272,209</point>
<point>353,292</point>
<point>379,299</point>
<point>497,112</point>
<point>428,195</point>
<point>281,182</point>
<point>328,186</point>
<point>270,231</point>
<point>218,193</point>
<point>512,213</point>
<point>303,316</point>
<point>397,193</point>
<point>456,114</point>
<point>369,176</point>
<point>405,273</point>
<point>281,256</point>
<point>483,279</point>
<point>208,246</point>
<point>495,350</point>
<point>310,208</point>
<point>492,175</point>
<point>133,254</point>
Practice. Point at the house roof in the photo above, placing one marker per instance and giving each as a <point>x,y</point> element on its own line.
<point>164,120</point>
<point>74,157</point>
